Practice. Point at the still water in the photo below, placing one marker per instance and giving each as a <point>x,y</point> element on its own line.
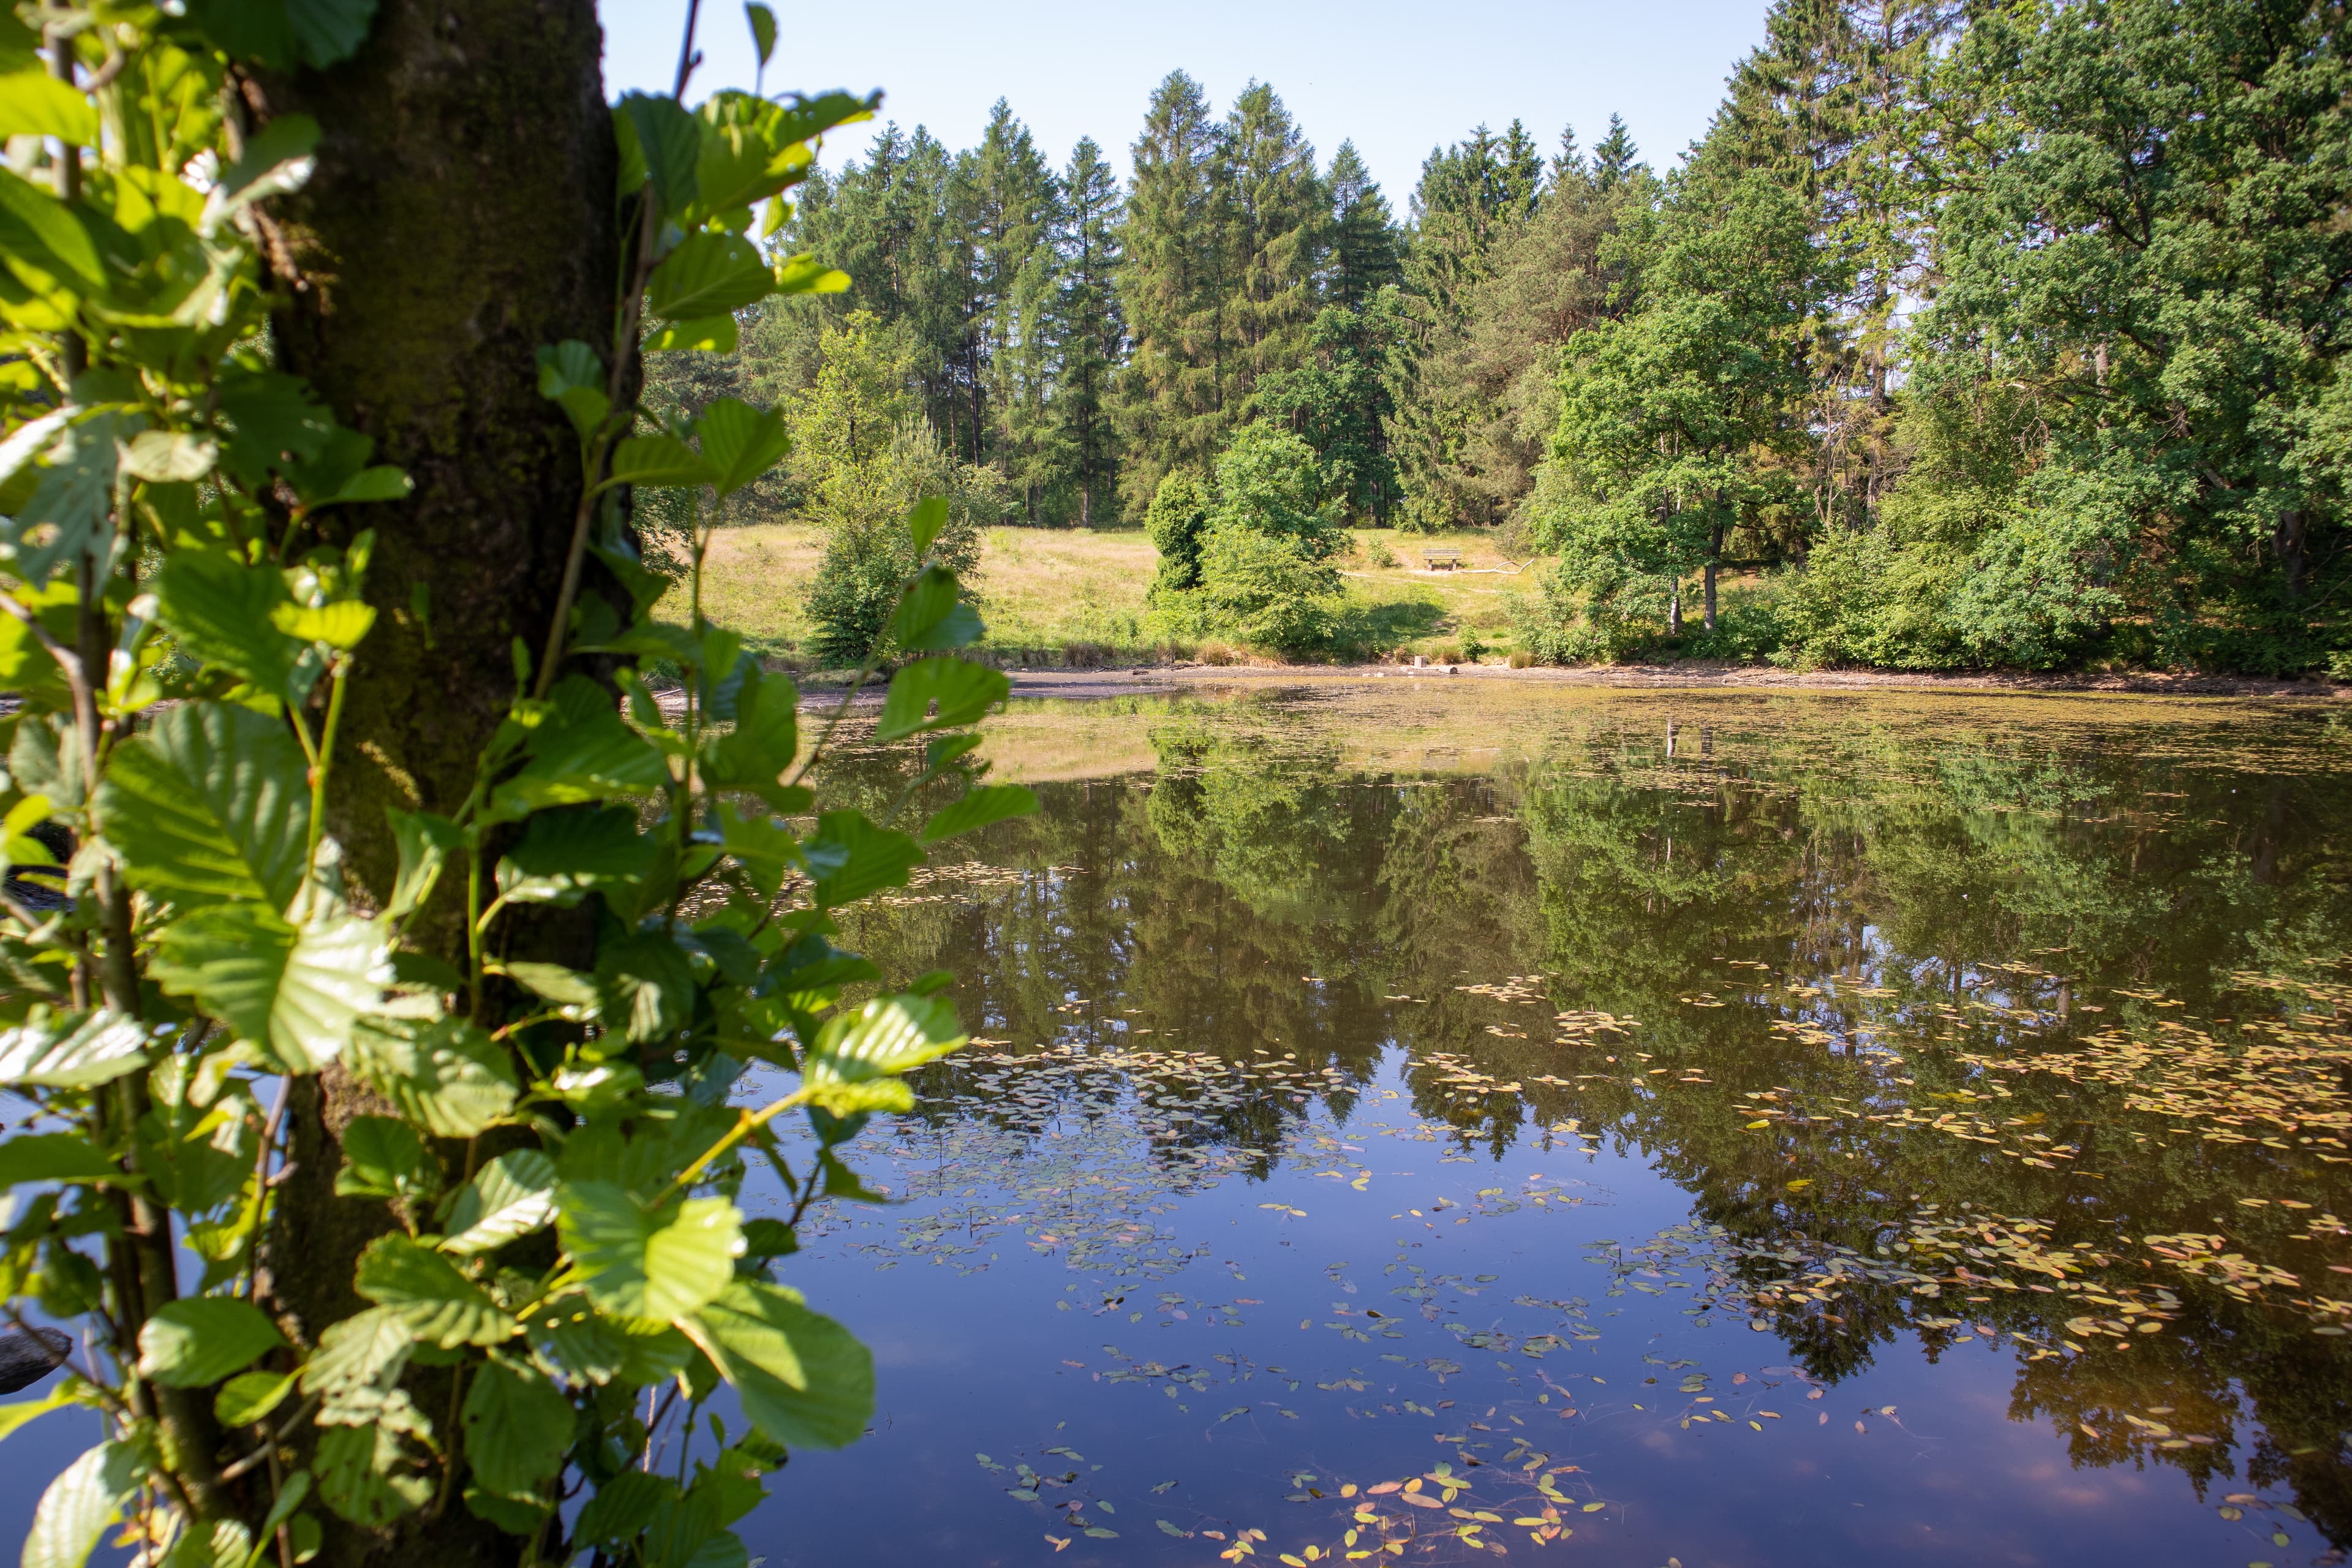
<point>1417,1123</point>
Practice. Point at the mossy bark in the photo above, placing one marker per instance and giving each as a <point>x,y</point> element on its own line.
<point>460,216</point>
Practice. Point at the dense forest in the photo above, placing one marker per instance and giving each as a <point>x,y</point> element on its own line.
<point>1965,336</point>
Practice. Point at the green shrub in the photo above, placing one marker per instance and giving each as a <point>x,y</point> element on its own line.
<point>1179,511</point>
<point>1261,543</point>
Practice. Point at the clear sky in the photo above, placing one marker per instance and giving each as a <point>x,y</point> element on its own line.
<point>1397,79</point>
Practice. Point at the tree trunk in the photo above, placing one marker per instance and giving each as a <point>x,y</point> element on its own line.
<point>2289,540</point>
<point>1714,565</point>
<point>460,216</point>
<point>1675,608</point>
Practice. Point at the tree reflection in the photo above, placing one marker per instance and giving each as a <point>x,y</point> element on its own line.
<point>1837,921</point>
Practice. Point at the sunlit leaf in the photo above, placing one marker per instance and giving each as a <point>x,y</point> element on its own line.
<point>210,806</point>
<point>804,1379</point>
<point>197,1341</point>
<point>512,1195</point>
<point>655,1264</point>
<point>439,1305</point>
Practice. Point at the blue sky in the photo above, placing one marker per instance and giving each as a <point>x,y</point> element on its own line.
<point>1397,79</point>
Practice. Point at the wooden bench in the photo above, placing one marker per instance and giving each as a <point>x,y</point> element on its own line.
<point>1441,559</point>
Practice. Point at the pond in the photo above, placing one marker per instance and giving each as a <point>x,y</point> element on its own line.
<point>1425,1122</point>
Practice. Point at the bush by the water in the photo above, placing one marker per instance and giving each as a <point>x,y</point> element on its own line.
<point>1250,555</point>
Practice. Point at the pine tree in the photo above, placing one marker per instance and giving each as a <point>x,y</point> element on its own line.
<point>1088,332</point>
<point>1365,255</point>
<point>1173,285</point>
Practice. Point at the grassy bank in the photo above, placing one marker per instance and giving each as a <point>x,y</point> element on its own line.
<point>1076,597</point>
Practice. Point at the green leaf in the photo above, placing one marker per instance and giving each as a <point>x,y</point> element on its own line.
<point>85,1498</point>
<point>363,1352</point>
<point>425,842</point>
<point>594,1348</point>
<point>439,1305</point>
<point>939,694</point>
<point>518,1426</point>
<point>296,991</point>
<point>278,423</point>
<point>211,805</point>
<point>645,985</point>
<point>445,1074</point>
<point>360,1478</point>
<point>581,750</point>
<point>622,1509</point>
<point>719,334</point>
<point>281,33</point>
<point>165,456</point>
<point>576,851</point>
<point>571,374</point>
<point>55,1157</point>
<point>923,523</point>
<point>248,1396</point>
<point>17,1413</point>
<point>707,274</point>
<point>764,29</point>
<point>35,103</point>
<point>341,626</point>
<point>659,142</point>
<point>740,442</point>
<point>932,617</point>
<point>197,1341</point>
<point>71,1050</point>
<point>804,1381</point>
<point>43,243</point>
<point>849,857</point>
<point>70,511</point>
<point>655,1265</point>
<point>888,1036</point>
<point>763,743</point>
<point>512,1195</point>
<point>515,1516</point>
<point>386,1158</point>
<point>223,614</point>
<point>979,807</point>
<point>806,275</point>
<point>564,988</point>
<point>657,460</point>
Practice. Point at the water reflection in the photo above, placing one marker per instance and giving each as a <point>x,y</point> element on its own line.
<point>1995,1054</point>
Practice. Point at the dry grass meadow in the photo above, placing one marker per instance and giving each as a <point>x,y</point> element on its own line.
<point>1078,596</point>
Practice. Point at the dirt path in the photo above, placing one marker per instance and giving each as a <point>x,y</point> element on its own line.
<point>1693,673</point>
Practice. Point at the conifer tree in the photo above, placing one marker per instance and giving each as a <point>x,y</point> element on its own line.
<point>1470,195</point>
<point>1276,232</point>
<point>1089,333</point>
<point>1014,209</point>
<point>1365,253</point>
<point>1173,288</point>
<point>1615,157</point>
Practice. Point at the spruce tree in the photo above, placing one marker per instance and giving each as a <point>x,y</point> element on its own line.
<point>1014,208</point>
<point>1173,287</point>
<point>1471,195</point>
<point>1088,331</point>
<point>1365,256</point>
<point>1614,157</point>
<point>1276,232</point>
